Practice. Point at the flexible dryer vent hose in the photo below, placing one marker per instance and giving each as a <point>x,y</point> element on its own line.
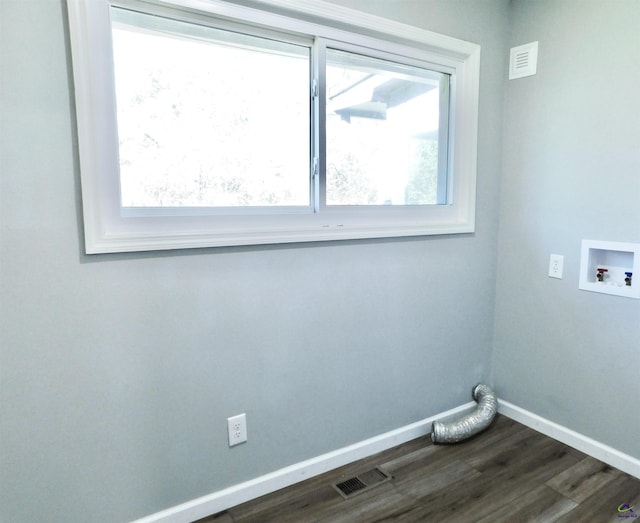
<point>472,423</point>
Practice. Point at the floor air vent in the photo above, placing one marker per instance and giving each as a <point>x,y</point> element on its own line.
<point>361,483</point>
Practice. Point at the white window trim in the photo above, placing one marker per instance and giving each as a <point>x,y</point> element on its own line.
<point>108,230</point>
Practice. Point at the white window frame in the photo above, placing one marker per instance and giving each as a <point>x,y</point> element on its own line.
<point>108,229</point>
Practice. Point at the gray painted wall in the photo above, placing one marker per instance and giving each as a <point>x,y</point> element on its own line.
<point>118,371</point>
<point>571,171</point>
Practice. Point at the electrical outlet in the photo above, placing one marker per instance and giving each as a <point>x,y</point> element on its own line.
<point>556,265</point>
<point>237,428</point>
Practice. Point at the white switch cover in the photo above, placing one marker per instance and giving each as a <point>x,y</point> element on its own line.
<point>556,264</point>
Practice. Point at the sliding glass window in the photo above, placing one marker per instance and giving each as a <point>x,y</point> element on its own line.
<point>216,123</point>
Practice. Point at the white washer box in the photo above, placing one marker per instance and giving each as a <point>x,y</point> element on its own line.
<point>618,258</point>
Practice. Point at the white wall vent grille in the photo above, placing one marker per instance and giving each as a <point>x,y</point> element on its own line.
<point>523,60</point>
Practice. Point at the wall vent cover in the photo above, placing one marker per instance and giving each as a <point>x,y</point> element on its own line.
<point>523,60</point>
<point>361,483</point>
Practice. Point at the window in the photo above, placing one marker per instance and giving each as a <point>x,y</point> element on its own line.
<point>208,117</point>
<point>208,124</point>
<point>386,132</point>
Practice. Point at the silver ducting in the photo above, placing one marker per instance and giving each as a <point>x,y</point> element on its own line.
<point>470,424</point>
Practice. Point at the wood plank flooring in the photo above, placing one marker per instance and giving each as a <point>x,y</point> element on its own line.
<point>509,473</point>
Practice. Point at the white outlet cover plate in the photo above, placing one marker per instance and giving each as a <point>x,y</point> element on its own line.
<point>556,266</point>
<point>237,428</point>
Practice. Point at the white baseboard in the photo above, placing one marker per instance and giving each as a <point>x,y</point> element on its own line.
<point>578,441</point>
<point>232,496</point>
<point>236,494</point>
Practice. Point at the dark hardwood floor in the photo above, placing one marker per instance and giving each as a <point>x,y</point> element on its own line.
<point>507,473</point>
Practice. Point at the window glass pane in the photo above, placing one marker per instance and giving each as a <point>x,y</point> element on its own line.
<point>384,132</point>
<point>209,117</point>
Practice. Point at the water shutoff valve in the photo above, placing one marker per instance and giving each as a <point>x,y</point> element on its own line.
<point>601,274</point>
<point>627,280</point>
